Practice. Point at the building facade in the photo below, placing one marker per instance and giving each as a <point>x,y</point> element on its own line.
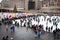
<point>25,5</point>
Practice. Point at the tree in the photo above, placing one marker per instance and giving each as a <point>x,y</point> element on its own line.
<point>15,8</point>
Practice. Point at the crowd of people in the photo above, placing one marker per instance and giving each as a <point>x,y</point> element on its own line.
<point>40,24</point>
<point>49,29</point>
<point>37,25</point>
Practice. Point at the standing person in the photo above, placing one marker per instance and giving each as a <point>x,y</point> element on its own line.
<point>6,27</point>
<point>18,24</point>
<point>46,28</point>
<point>0,23</point>
<point>51,28</point>
<point>30,24</point>
<point>38,33</point>
<point>13,28</point>
<point>21,22</point>
<point>6,37</point>
<point>26,25</point>
<point>3,38</point>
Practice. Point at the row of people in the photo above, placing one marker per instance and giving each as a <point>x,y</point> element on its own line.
<point>49,29</point>
<point>5,38</point>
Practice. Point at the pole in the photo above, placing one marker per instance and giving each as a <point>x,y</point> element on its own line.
<point>24,4</point>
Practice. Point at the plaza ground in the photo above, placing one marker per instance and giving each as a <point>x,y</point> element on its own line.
<point>22,34</point>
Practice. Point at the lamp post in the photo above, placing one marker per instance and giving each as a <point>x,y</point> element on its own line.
<point>24,4</point>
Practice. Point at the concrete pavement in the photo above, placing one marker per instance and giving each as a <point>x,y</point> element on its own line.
<point>22,34</point>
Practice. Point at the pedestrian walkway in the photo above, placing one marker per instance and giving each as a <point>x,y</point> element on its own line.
<point>22,33</point>
<point>47,36</point>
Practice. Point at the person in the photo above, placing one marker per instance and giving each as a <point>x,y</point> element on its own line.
<point>54,34</point>
<point>38,33</point>
<point>21,22</point>
<point>46,29</point>
<point>0,23</point>
<point>51,28</point>
<point>13,28</point>
<point>18,24</point>
<point>26,25</point>
<point>6,37</point>
<point>30,24</point>
<point>6,28</point>
<point>3,38</point>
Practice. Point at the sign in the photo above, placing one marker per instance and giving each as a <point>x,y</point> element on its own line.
<point>21,14</point>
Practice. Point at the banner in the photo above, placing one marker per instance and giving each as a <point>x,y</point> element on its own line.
<point>21,14</point>
<point>9,15</point>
